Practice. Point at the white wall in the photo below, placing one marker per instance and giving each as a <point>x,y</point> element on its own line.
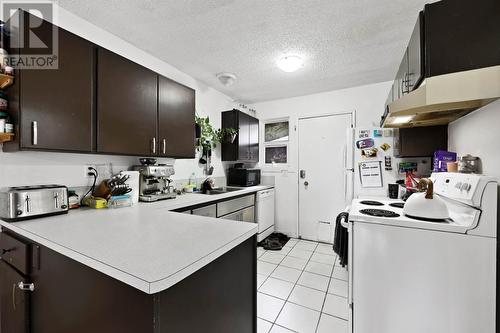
<point>478,134</point>
<point>367,102</point>
<point>38,168</point>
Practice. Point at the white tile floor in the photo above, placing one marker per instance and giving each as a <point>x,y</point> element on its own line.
<point>301,289</point>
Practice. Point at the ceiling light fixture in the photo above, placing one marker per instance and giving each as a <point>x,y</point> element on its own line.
<point>227,79</point>
<point>290,63</point>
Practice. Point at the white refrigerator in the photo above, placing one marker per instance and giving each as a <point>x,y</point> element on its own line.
<point>370,164</point>
<point>365,170</point>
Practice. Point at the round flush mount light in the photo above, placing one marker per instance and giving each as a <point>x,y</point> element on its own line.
<point>290,63</point>
<point>226,79</point>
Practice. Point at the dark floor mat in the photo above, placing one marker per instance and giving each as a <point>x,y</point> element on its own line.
<point>274,241</point>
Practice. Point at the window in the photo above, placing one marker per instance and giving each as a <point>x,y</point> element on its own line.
<point>276,135</point>
<point>276,132</point>
<point>275,155</point>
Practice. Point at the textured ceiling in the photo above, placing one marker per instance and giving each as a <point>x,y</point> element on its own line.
<point>344,43</point>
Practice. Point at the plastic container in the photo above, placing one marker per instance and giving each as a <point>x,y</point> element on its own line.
<point>120,201</point>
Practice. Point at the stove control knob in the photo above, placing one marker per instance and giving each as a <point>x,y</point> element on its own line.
<point>465,187</point>
<point>459,185</point>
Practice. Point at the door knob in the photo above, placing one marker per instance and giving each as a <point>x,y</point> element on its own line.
<point>306,183</point>
<point>302,174</point>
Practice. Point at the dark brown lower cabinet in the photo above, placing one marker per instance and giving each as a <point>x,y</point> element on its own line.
<point>14,303</point>
<point>71,297</point>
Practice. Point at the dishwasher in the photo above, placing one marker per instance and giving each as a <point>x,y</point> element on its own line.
<point>265,213</point>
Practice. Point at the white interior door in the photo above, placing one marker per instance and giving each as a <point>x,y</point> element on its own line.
<point>322,151</point>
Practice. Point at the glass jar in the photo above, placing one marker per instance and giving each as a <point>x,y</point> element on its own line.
<point>3,101</point>
<point>3,120</point>
<point>468,164</point>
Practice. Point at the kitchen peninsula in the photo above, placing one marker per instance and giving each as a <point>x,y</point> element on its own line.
<point>140,269</point>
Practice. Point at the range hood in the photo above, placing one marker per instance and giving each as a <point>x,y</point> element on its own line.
<point>444,98</point>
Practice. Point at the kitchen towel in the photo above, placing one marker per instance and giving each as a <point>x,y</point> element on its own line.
<point>341,239</point>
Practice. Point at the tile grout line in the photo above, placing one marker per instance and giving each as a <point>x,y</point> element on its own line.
<point>267,277</point>
<point>287,300</point>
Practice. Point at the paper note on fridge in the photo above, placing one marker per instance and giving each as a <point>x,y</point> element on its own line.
<point>370,174</point>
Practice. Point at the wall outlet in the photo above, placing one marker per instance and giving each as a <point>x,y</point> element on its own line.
<point>103,170</point>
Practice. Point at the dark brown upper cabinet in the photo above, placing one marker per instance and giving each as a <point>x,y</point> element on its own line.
<point>127,96</point>
<point>176,123</point>
<point>245,147</point>
<point>99,101</point>
<point>56,104</point>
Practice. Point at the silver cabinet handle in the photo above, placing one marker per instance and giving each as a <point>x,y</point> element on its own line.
<point>28,204</point>
<point>153,145</point>
<point>26,286</point>
<point>21,286</point>
<point>34,126</point>
<point>164,146</point>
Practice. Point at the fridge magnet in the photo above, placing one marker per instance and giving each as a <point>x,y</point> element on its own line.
<point>369,153</point>
<point>385,146</point>
<point>387,133</point>
<point>388,163</point>
<point>365,143</point>
<point>377,133</point>
<point>364,134</point>
<point>404,167</point>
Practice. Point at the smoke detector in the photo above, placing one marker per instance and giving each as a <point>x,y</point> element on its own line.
<point>227,79</point>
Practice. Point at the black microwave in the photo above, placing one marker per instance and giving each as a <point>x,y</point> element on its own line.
<point>243,177</point>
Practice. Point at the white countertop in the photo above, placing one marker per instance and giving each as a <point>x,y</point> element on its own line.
<point>145,246</point>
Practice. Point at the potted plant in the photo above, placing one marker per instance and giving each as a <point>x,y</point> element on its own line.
<point>230,134</point>
<point>209,136</point>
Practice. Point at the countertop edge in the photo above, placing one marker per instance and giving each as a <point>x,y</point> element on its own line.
<point>149,287</point>
<point>170,281</point>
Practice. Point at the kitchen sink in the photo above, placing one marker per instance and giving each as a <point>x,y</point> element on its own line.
<point>221,190</point>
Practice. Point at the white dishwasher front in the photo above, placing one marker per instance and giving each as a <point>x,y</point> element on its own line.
<point>265,213</point>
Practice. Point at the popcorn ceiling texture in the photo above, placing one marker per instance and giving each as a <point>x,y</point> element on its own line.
<point>344,43</point>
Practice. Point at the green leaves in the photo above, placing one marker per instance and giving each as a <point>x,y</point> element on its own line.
<point>210,137</point>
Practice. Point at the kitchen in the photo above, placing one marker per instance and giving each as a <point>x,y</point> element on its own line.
<point>302,287</point>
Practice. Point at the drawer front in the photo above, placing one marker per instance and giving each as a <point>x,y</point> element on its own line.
<point>14,252</point>
<point>231,206</point>
<point>210,211</point>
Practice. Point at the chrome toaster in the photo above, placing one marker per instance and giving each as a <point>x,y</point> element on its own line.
<point>25,202</point>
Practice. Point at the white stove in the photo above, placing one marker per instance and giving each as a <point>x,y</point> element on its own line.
<point>434,276</point>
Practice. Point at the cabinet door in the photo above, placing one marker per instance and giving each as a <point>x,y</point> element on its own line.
<point>176,109</point>
<point>254,139</point>
<point>14,303</point>
<point>243,137</point>
<point>401,78</point>
<point>415,57</point>
<point>209,211</point>
<point>57,104</point>
<point>126,106</point>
